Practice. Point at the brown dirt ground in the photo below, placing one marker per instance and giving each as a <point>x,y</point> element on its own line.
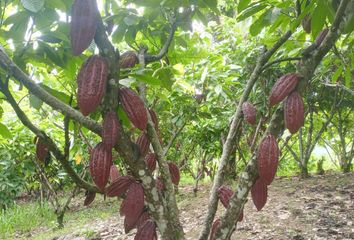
<point>321,207</point>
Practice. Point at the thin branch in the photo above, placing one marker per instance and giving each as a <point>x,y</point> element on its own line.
<point>52,147</point>
<point>281,60</point>
<point>173,138</point>
<point>348,90</point>
<point>164,49</point>
<point>227,147</point>
<point>307,69</point>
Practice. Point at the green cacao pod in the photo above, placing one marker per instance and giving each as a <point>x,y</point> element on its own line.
<point>84,21</point>
<point>91,82</point>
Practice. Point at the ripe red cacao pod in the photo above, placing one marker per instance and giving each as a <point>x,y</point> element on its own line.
<point>259,194</point>
<point>267,159</point>
<point>249,112</point>
<point>159,184</point>
<point>175,174</point>
<point>144,216</point>
<point>154,118</point>
<point>320,37</point>
<point>150,160</point>
<point>225,194</point>
<point>110,129</point>
<point>128,60</point>
<point>91,82</point>
<point>283,87</point>
<point>84,21</point>
<point>294,112</point>
<point>214,228</point>
<point>119,186</point>
<point>132,206</point>
<point>144,143</point>
<point>41,150</point>
<point>306,23</point>
<point>134,107</point>
<point>100,165</point>
<point>113,173</point>
<point>147,231</point>
<point>90,196</point>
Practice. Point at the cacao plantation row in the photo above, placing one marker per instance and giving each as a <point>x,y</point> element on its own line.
<point>184,120</point>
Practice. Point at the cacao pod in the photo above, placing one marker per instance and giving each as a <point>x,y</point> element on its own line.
<point>84,21</point>
<point>90,196</point>
<point>225,193</point>
<point>306,23</point>
<point>294,112</point>
<point>143,218</point>
<point>113,173</point>
<point>214,228</point>
<point>249,112</point>
<point>154,118</point>
<point>159,184</point>
<point>144,143</point>
<point>283,87</point>
<point>128,60</point>
<point>91,82</point>
<point>110,130</point>
<point>150,160</point>
<point>132,206</point>
<point>259,194</point>
<point>320,37</point>
<point>134,107</point>
<point>119,186</point>
<point>267,159</point>
<point>174,171</point>
<point>41,150</point>
<point>147,231</point>
<point>100,165</point>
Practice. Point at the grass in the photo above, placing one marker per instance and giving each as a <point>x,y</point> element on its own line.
<point>30,221</point>
<point>24,218</point>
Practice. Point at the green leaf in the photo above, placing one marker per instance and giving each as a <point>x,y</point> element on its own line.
<point>147,79</point>
<point>33,5</point>
<point>318,19</point>
<point>348,78</point>
<point>35,102</point>
<point>60,95</point>
<point>5,132</point>
<point>131,20</point>
<point>213,5</point>
<point>255,8</point>
<point>337,73</point>
<point>242,5</point>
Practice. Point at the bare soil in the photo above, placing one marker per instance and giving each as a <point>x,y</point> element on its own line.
<point>321,207</point>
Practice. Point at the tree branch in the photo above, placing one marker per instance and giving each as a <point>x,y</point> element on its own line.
<point>52,147</point>
<point>306,69</point>
<point>281,60</point>
<point>164,49</point>
<point>227,147</point>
